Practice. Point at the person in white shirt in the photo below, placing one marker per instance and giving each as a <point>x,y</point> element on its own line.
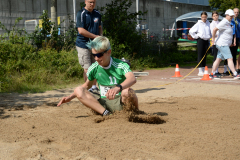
<point>201,32</point>
<point>214,23</point>
<point>236,37</point>
<point>223,41</point>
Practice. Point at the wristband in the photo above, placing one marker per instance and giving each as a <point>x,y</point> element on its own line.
<point>119,85</point>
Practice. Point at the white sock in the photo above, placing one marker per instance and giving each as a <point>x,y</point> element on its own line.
<point>200,70</point>
<point>105,113</point>
<point>94,86</point>
<point>225,69</point>
<point>203,69</point>
<point>235,73</point>
<point>214,72</point>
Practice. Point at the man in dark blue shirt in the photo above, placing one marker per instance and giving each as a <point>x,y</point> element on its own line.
<point>236,31</point>
<point>89,27</point>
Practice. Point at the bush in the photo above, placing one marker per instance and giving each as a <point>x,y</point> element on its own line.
<point>22,67</point>
<point>48,35</point>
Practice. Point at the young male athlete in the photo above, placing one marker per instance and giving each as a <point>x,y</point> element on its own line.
<point>114,78</point>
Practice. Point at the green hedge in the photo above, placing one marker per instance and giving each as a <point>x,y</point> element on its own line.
<point>22,68</point>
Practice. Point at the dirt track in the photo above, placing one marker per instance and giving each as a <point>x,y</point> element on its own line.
<point>202,122</point>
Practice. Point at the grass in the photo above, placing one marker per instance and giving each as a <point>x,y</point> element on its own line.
<point>184,48</point>
<point>186,64</point>
<point>40,88</point>
<point>22,86</point>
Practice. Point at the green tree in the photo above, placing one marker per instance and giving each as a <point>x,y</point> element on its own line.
<point>46,24</point>
<point>223,5</point>
<point>48,34</point>
<point>119,25</point>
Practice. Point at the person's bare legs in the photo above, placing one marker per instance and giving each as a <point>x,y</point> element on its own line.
<point>231,64</point>
<point>238,62</point>
<point>88,100</point>
<point>126,93</point>
<point>216,64</point>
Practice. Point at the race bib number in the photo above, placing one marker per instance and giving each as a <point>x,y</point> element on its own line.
<point>104,90</point>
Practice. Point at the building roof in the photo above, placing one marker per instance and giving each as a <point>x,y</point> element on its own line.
<point>196,2</point>
<point>192,17</point>
<point>195,16</point>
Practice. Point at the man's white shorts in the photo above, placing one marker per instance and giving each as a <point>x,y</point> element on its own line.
<point>85,57</point>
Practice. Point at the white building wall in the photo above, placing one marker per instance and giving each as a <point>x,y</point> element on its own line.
<point>161,14</point>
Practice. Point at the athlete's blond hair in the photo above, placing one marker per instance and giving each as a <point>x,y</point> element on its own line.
<point>99,43</point>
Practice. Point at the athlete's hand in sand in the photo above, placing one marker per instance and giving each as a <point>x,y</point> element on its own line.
<point>64,100</point>
<point>112,92</point>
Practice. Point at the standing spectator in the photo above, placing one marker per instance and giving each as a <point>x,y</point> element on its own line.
<point>214,23</point>
<point>236,32</point>
<point>223,42</point>
<point>201,32</point>
<point>89,27</point>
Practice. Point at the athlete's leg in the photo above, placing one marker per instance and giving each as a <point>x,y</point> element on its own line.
<point>88,100</point>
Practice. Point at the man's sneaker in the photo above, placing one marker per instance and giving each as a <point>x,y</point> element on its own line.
<point>227,73</point>
<point>237,76</point>
<point>238,71</point>
<point>215,76</point>
<point>94,90</point>
<point>219,74</point>
<point>200,74</point>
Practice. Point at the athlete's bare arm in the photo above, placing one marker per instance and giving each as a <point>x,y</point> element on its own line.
<point>87,85</point>
<point>129,81</point>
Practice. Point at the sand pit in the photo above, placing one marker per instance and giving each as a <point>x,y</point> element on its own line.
<point>182,121</point>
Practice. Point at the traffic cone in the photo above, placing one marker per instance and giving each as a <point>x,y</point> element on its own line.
<point>206,75</point>
<point>177,72</point>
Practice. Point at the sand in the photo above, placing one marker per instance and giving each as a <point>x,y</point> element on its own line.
<point>200,120</point>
